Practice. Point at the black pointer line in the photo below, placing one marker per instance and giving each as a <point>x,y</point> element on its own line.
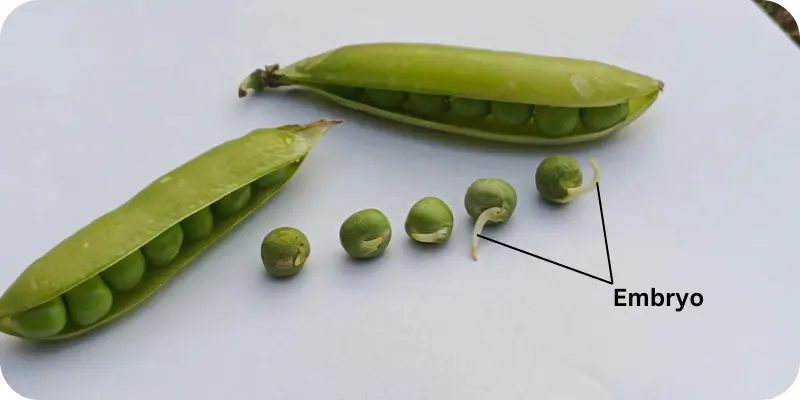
<point>543,259</point>
<point>605,238</point>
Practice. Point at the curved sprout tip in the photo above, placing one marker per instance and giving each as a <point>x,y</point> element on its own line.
<point>573,193</point>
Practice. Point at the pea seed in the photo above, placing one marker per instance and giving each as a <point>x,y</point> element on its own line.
<point>556,121</point>
<point>198,225</point>
<point>126,273</point>
<point>233,202</point>
<point>559,178</point>
<point>426,104</point>
<point>165,247</point>
<point>365,234</point>
<point>271,179</point>
<point>89,301</point>
<point>511,113</point>
<point>348,92</point>
<point>45,320</point>
<point>387,98</point>
<point>600,118</point>
<point>284,251</point>
<point>469,108</point>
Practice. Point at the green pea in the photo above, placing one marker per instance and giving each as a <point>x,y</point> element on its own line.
<point>600,118</point>
<point>165,247</point>
<point>88,302</point>
<point>512,113</point>
<point>198,225</point>
<point>42,321</point>
<point>126,273</point>
<point>233,202</point>
<point>469,108</point>
<point>426,104</point>
<point>559,178</point>
<point>429,220</point>
<point>272,179</point>
<point>365,234</point>
<point>345,91</point>
<point>284,251</point>
<point>556,121</point>
<point>387,98</point>
<point>489,201</point>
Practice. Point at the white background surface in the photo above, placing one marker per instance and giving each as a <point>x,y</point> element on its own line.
<point>98,98</point>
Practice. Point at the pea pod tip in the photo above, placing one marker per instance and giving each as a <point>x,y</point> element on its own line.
<point>260,79</point>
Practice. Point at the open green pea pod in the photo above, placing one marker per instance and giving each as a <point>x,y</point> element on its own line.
<point>495,95</point>
<point>117,261</point>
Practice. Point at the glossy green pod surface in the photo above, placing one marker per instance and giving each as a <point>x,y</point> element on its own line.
<point>158,208</point>
<point>482,93</point>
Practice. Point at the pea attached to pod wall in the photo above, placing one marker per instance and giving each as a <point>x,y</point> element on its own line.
<point>120,259</point>
<point>502,96</point>
<point>559,178</point>
<point>489,201</point>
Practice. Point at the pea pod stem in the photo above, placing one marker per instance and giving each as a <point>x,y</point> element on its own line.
<point>262,79</point>
<point>576,192</point>
<point>491,214</point>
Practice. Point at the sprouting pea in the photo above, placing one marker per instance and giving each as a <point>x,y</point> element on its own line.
<point>599,118</point>
<point>165,247</point>
<point>559,178</point>
<point>469,108</point>
<point>556,121</point>
<point>88,302</point>
<point>232,202</point>
<point>126,273</point>
<point>427,104</point>
<point>365,234</point>
<point>41,321</point>
<point>198,225</point>
<point>284,251</point>
<point>430,220</point>
<point>512,113</point>
<point>489,201</point>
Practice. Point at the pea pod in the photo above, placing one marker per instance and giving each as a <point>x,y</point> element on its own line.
<point>495,95</point>
<point>92,277</point>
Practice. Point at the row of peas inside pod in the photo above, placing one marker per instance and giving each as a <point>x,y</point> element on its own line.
<point>125,256</point>
<point>504,96</point>
<point>368,232</point>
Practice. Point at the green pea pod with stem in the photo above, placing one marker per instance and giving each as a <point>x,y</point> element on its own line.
<point>120,259</point>
<point>502,96</point>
